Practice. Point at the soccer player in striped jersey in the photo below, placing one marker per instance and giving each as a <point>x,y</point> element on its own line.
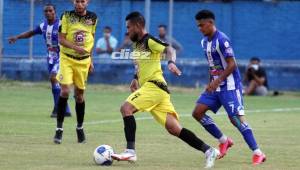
<point>224,88</point>
<point>49,30</point>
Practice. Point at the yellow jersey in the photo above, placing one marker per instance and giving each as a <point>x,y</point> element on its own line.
<point>79,30</point>
<point>147,54</point>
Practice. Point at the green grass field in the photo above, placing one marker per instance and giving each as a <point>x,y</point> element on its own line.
<point>26,131</point>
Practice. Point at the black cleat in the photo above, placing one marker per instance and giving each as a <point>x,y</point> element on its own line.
<point>58,136</point>
<point>68,114</point>
<point>80,135</point>
<point>54,113</point>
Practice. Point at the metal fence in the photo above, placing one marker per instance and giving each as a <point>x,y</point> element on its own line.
<point>17,16</point>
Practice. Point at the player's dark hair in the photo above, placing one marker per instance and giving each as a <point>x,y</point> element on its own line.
<point>162,26</point>
<point>205,14</point>
<point>136,17</point>
<point>108,28</point>
<point>50,4</point>
<point>255,59</point>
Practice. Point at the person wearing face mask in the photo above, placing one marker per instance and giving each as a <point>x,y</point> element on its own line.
<point>256,79</point>
<point>107,44</point>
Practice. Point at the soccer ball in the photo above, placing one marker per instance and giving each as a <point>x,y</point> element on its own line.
<point>102,155</point>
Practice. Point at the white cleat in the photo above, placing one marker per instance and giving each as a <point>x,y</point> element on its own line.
<point>128,155</point>
<point>211,155</point>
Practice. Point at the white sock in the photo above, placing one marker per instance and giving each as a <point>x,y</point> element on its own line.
<point>60,129</point>
<point>223,139</point>
<point>257,152</point>
<point>130,150</point>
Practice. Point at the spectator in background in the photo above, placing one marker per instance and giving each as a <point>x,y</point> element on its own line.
<point>107,44</point>
<point>126,44</point>
<point>162,33</point>
<point>255,79</point>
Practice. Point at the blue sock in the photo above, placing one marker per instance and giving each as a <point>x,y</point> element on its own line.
<point>55,93</point>
<point>249,138</point>
<point>246,131</point>
<point>68,109</point>
<point>210,126</point>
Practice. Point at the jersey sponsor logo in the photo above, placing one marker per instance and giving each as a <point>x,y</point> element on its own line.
<point>226,44</point>
<point>79,37</point>
<point>89,22</point>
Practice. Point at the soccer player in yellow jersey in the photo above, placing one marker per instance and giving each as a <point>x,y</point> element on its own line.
<point>76,38</point>
<point>150,92</point>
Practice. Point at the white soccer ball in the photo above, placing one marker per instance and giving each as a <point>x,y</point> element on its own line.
<point>102,155</point>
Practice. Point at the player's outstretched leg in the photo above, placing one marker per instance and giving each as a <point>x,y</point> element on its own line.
<point>80,111</point>
<point>174,128</point>
<point>129,154</point>
<point>207,122</point>
<point>240,123</point>
<point>61,109</point>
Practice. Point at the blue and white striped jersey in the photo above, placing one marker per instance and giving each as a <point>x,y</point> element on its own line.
<point>50,34</point>
<point>216,50</point>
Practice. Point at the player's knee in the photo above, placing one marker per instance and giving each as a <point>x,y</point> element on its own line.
<point>195,115</point>
<point>239,123</point>
<point>79,98</point>
<point>173,130</point>
<point>64,92</point>
<point>125,110</point>
<point>198,114</point>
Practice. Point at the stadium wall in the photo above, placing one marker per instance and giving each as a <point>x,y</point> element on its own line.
<point>280,76</point>
<point>256,28</point>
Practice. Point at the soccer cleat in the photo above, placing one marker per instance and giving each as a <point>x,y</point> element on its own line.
<point>258,159</point>
<point>211,155</point>
<point>68,114</point>
<point>128,155</point>
<point>223,147</point>
<point>54,113</point>
<point>58,136</point>
<point>80,135</point>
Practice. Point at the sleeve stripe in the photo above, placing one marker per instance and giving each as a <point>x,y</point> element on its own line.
<point>158,41</point>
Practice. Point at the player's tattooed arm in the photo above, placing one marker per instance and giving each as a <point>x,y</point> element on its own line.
<point>231,65</point>
<point>64,42</point>
<point>171,57</point>
<point>23,35</point>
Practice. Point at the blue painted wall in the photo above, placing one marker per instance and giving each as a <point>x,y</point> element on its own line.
<point>268,30</point>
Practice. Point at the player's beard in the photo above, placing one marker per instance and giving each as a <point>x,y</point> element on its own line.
<point>134,37</point>
<point>80,11</point>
